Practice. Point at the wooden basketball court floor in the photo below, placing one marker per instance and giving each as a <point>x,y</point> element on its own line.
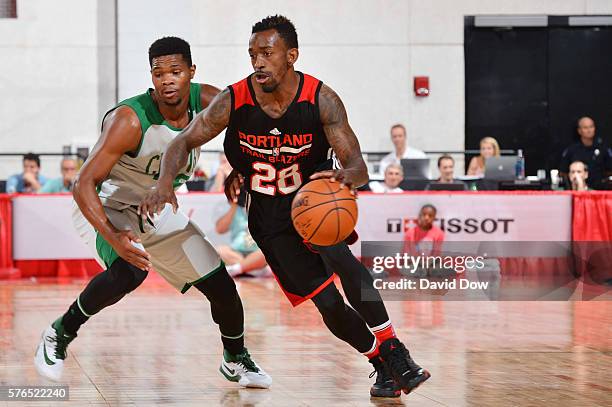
<point>157,347</point>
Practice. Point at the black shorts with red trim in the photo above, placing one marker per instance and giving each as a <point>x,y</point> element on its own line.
<point>299,271</point>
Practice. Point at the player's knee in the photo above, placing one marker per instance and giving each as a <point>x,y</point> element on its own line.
<point>138,276</point>
<point>218,287</point>
<point>330,303</point>
<point>126,276</point>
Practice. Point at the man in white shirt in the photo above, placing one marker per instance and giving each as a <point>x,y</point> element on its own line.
<point>402,150</point>
<point>394,174</point>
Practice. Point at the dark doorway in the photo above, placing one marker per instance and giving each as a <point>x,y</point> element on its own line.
<point>526,86</point>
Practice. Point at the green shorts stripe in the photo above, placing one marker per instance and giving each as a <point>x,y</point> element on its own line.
<point>105,251</point>
<point>199,280</point>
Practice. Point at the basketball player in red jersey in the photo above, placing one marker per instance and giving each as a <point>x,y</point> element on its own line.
<point>282,126</point>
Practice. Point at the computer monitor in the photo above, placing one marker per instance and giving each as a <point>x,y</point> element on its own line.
<point>501,168</point>
<point>415,168</point>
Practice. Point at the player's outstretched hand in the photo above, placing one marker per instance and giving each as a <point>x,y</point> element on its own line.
<point>128,247</point>
<point>341,176</point>
<point>232,186</point>
<point>155,201</point>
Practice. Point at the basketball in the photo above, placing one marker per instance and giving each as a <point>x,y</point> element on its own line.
<point>323,213</point>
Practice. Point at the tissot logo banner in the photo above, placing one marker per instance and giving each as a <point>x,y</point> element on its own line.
<point>464,217</point>
<point>469,217</point>
<point>455,225</point>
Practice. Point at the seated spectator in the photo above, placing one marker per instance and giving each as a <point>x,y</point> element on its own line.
<point>68,168</point>
<point>30,180</point>
<point>446,166</point>
<point>242,256</point>
<point>223,170</point>
<point>488,148</point>
<point>394,174</point>
<point>578,175</point>
<point>592,151</point>
<point>425,237</point>
<point>402,150</point>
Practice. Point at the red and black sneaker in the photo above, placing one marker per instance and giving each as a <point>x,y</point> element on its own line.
<point>406,373</point>
<point>384,386</point>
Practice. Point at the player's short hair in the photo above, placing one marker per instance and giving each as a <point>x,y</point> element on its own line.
<point>170,46</point>
<point>32,157</point>
<point>429,206</point>
<point>283,26</point>
<point>445,157</point>
<point>586,167</point>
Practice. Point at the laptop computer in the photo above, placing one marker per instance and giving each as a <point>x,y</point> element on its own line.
<point>414,184</point>
<point>501,168</point>
<point>415,168</point>
<point>446,186</point>
<point>196,185</point>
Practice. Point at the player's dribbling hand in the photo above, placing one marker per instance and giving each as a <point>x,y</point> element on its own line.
<point>341,176</point>
<point>156,200</point>
<point>232,186</point>
<point>124,242</point>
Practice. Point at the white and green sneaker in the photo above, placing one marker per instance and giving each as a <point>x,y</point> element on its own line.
<point>242,369</point>
<point>51,352</point>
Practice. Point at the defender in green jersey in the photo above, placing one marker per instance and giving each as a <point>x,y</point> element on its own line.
<point>123,166</point>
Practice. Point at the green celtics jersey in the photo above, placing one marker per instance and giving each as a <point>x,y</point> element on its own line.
<point>137,172</point>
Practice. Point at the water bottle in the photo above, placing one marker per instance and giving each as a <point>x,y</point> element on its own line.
<point>520,166</point>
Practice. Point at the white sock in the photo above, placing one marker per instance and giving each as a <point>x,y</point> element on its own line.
<point>234,269</point>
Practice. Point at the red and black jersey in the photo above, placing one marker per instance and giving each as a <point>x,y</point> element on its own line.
<point>275,156</point>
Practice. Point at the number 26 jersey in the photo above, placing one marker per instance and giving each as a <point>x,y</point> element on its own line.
<point>275,156</point>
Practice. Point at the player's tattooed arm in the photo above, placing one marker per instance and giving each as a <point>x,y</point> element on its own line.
<point>206,126</point>
<point>342,139</point>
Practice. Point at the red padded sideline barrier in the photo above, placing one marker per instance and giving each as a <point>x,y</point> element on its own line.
<point>6,232</point>
<point>592,216</point>
<point>592,222</point>
<point>74,268</point>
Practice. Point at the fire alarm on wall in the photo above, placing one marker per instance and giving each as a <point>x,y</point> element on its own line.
<point>421,85</point>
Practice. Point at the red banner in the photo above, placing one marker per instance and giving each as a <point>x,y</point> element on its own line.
<point>6,232</point>
<point>592,217</point>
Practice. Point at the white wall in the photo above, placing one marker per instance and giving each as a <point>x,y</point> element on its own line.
<point>367,50</point>
<point>49,82</point>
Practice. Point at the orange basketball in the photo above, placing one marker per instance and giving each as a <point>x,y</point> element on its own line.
<point>324,214</point>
